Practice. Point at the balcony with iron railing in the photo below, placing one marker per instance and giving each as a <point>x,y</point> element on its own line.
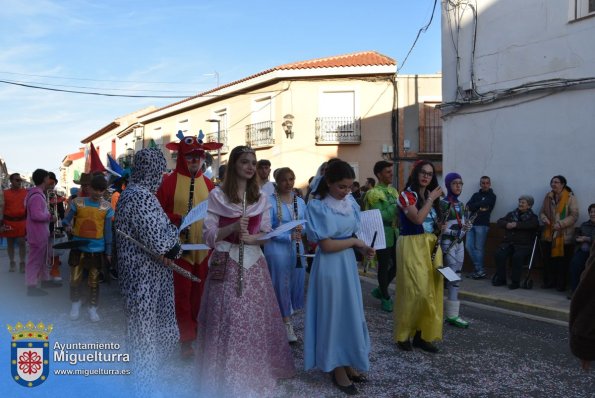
<point>260,135</point>
<point>338,130</point>
<point>212,137</point>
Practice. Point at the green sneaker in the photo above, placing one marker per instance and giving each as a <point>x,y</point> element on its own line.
<point>386,305</point>
<point>376,293</point>
<point>458,322</point>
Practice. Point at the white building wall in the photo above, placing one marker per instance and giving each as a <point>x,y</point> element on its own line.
<point>520,142</point>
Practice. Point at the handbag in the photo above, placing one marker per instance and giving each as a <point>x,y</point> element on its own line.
<point>218,265</point>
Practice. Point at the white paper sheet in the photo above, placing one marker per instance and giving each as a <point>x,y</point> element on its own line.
<point>449,274</point>
<point>197,213</point>
<point>195,246</point>
<point>283,228</point>
<point>371,221</point>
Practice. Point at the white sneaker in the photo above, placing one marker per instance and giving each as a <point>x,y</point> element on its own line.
<point>75,310</point>
<point>291,337</point>
<point>93,314</point>
<point>57,279</point>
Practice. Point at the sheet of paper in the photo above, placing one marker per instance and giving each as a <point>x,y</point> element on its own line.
<point>197,213</point>
<point>283,228</point>
<point>195,246</point>
<point>371,221</point>
<point>307,255</point>
<point>449,274</point>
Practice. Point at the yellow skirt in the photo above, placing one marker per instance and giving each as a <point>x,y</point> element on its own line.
<point>419,289</point>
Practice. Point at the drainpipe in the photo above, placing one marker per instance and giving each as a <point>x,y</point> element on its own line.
<point>394,127</point>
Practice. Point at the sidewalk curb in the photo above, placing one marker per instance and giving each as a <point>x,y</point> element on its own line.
<point>512,305</point>
<point>537,310</point>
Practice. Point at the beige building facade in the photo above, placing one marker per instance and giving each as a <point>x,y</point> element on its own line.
<point>299,115</point>
<point>302,114</point>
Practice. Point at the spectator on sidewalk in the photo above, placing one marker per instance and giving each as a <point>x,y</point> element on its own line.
<point>584,238</point>
<point>482,203</point>
<point>383,197</point>
<point>521,227</point>
<point>559,213</point>
<point>582,315</point>
<point>13,217</point>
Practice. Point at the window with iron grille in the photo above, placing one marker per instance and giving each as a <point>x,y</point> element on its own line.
<point>430,128</point>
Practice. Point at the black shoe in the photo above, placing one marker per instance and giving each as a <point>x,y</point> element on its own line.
<point>424,345</point>
<point>360,378</point>
<point>35,291</point>
<point>498,282</point>
<point>349,390</point>
<point>100,278</point>
<point>114,274</point>
<point>404,345</point>
<point>514,285</point>
<point>50,284</point>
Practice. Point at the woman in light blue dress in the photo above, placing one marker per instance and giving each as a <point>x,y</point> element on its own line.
<point>336,336</point>
<point>287,269</point>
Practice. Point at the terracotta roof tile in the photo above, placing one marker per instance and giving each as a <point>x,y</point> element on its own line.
<point>364,58</point>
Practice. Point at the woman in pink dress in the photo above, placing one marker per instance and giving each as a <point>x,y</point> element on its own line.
<point>242,343</point>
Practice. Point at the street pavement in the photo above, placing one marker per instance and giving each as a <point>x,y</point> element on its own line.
<point>516,346</point>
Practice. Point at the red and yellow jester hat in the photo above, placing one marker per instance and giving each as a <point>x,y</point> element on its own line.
<point>190,146</point>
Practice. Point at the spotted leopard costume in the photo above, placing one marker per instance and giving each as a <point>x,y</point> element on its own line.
<point>147,285</point>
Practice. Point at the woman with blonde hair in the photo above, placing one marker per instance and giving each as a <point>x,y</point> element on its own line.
<point>284,252</point>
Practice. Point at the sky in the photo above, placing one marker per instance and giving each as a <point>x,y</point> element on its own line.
<point>171,48</point>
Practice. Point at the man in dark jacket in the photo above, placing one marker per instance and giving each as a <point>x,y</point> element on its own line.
<point>482,203</point>
<point>520,230</point>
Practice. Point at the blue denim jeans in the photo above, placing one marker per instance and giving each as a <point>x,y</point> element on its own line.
<point>475,244</point>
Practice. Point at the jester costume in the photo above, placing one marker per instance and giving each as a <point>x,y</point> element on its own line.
<point>180,191</point>
<point>453,248</point>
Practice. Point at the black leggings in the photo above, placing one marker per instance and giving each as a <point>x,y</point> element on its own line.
<point>387,269</point>
<point>555,271</point>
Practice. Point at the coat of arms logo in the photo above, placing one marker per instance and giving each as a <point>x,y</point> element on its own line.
<point>29,353</point>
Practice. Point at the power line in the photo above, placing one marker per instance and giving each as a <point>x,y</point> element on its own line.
<point>91,93</point>
<point>96,80</point>
<point>422,30</point>
<point>102,88</point>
